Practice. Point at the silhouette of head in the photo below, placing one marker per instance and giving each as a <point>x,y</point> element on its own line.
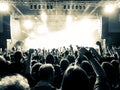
<point>46,72</point>
<point>75,78</point>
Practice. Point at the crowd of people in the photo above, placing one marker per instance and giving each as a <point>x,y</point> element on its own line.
<point>68,69</point>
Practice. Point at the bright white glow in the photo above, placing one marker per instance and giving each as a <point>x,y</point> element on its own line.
<point>4,7</point>
<point>80,32</point>
<point>109,8</point>
<point>42,29</point>
<point>85,23</point>
<point>44,17</point>
<point>28,24</point>
<point>68,20</point>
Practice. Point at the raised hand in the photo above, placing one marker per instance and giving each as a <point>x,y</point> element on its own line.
<point>84,51</point>
<point>94,52</point>
<point>98,43</point>
<point>31,50</point>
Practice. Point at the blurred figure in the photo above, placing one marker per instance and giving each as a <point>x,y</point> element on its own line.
<point>46,75</point>
<point>3,67</point>
<point>75,78</point>
<point>14,82</point>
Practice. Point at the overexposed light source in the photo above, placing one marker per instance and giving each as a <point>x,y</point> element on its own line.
<point>28,24</point>
<point>85,23</point>
<point>86,20</point>
<point>79,32</point>
<point>4,7</point>
<point>44,17</point>
<point>69,19</point>
<point>109,8</point>
<point>42,29</point>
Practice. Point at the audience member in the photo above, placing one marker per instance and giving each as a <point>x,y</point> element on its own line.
<point>14,82</point>
<point>75,78</point>
<point>46,75</point>
<point>66,68</point>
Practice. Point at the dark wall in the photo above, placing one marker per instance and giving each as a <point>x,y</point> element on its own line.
<point>111,28</point>
<point>104,27</point>
<point>6,32</point>
<point>3,41</point>
<point>6,26</point>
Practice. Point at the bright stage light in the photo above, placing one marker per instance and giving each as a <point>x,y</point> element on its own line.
<point>42,29</point>
<point>44,17</point>
<point>85,23</point>
<point>109,8</point>
<point>79,32</point>
<point>69,19</point>
<point>28,24</point>
<point>4,7</point>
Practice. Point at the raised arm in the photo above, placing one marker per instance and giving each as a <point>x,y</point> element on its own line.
<point>28,62</point>
<point>96,54</point>
<point>101,81</point>
<point>100,47</point>
<point>95,64</point>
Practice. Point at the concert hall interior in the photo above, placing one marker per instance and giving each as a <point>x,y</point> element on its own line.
<point>59,44</point>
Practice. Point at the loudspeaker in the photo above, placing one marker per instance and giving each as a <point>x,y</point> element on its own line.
<point>3,42</point>
<point>6,26</point>
<point>1,24</point>
<point>114,22</point>
<point>105,27</point>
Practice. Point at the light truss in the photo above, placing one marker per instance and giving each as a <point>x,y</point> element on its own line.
<point>54,1</point>
<point>56,6</point>
<point>61,2</point>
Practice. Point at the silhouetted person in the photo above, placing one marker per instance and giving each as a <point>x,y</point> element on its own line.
<point>46,73</point>
<point>14,82</point>
<point>75,78</point>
